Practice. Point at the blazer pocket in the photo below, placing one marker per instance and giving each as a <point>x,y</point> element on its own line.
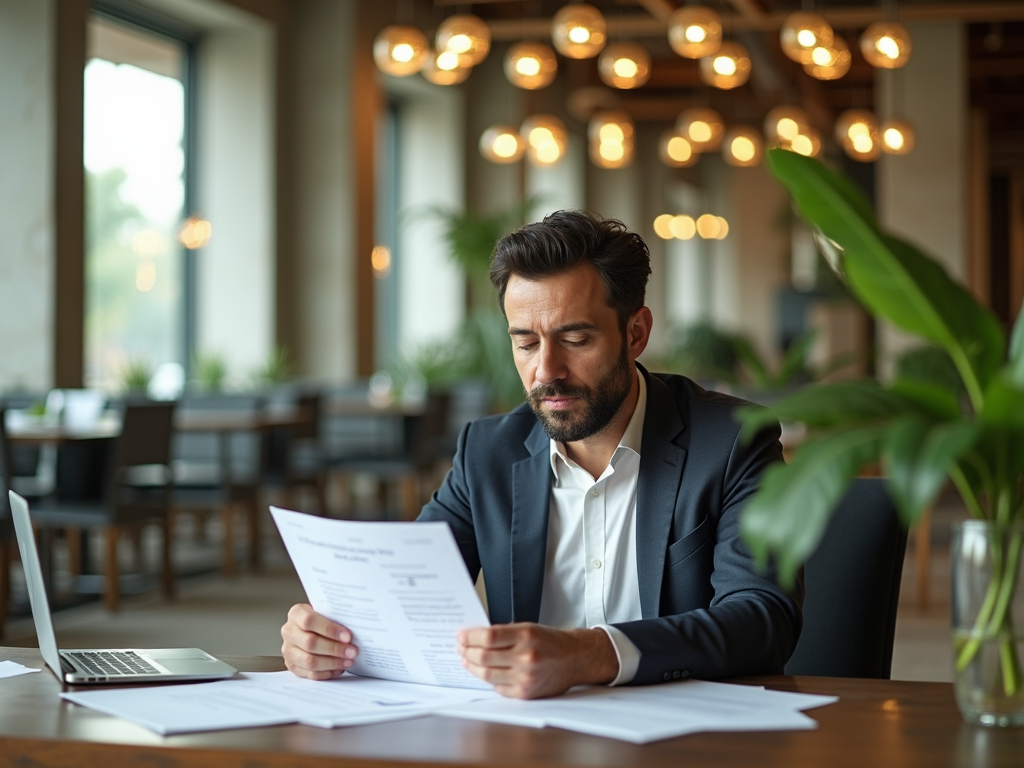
<point>691,542</point>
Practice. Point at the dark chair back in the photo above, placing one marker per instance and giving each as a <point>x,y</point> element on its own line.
<point>245,459</point>
<point>852,588</point>
<point>146,430</point>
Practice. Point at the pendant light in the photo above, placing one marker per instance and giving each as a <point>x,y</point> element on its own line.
<point>466,35</point>
<point>675,151</point>
<point>742,146</point>
<point>783,124</point>
<point>709,226</point>
<point>694,31</point>
<point>702,127</point>
<point>806,143</point>
<point>829,63</point>
<point>897,136</point>
<point>728,68</point>
<point>546,139</point>
<point>682,227</point>
<point>857,132</point>
<point>801,33</point>
<point>611,139</point>
<point>444,68</point>
<point>530,65</point>
<point>578,31</point>
<point>400,50</point>
<point>502,144</point>
<point>624,65</point>
<point>886,44</point>
<point>661,226</point>
<point>194,232</point>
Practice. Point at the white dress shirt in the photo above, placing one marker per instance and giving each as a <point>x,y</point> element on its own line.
<point>590,574</point>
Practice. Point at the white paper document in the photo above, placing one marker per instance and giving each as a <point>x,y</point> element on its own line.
<point>271,698</point>
<point>401,588</point>
<point>13,669</point>
<point>650,713</point>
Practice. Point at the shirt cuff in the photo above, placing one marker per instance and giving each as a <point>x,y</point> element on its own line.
<point>627,654</point>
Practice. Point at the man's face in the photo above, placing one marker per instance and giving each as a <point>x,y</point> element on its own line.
<point>575,364</point>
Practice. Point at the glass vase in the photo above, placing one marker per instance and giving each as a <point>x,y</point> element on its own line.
<point>988,622</point>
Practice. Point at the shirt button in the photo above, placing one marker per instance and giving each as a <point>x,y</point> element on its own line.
<point>597,563</point>
<point>595,493</point>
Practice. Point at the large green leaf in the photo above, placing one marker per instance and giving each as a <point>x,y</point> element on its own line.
<point>827,406</point>
<point>787,516</point>
<point>918,455</point>
<point>894,280</point>
<point>930,399</point>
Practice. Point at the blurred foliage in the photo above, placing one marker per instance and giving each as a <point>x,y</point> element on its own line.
<point>276,369</point>
<point>134,376</point>
<point>703,352</point>
<point>480,349</point>
<point>930,365</point>
<point>210,372</point>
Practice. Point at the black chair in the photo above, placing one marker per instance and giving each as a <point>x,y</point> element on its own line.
<point>853,585</point>
<point>221,471</point>
<point>410,464</point>
<point>295,454</point>
<point>138,492</point>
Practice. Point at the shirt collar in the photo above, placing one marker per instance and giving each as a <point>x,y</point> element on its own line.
<point>631,438</point>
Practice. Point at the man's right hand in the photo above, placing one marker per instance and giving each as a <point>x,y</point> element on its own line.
<point>314,646</point>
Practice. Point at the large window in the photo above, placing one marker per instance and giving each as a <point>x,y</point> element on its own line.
<point>135,162</point>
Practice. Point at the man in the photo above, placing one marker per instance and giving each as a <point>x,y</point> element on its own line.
<point>605,511</point>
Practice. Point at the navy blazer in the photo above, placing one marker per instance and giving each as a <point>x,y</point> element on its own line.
<point>707,612</point>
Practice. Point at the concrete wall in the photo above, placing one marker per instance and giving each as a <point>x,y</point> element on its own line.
<point>235,302</point>
<point>324,238</point>
<point>922,196</point>
<point>26,194</point>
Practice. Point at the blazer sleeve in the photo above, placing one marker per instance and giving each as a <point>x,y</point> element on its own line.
<point>452,504</point>
<point>751,625</point>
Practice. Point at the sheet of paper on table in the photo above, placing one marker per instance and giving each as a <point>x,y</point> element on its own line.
<point>402,589</point>
<point>271,698</point>
<point>13,669</point>
<point>651,713</point>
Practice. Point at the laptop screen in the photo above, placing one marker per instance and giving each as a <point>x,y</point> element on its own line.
<point>34,583</point>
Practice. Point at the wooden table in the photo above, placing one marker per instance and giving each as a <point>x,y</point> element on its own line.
<point>875,724</point>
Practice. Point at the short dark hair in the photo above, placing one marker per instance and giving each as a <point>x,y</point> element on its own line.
<point>566,239</point>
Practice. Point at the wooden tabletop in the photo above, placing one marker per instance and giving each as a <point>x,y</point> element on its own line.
<point>874,724</point>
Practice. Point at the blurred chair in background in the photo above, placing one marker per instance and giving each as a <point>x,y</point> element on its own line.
<point>138,491</point>
<point>295,454</point>
<point>219,458</point>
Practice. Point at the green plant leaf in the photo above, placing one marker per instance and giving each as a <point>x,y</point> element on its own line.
<point>1016,362</point>
<point>787,516</point>
<point>933,400</point>
<point>795,361</point>
<point>827,406</point>
<point>891,278</point>
<point>754,365</point>
<point>918,455</point>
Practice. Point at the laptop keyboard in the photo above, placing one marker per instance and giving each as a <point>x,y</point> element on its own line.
<point>112,663</point>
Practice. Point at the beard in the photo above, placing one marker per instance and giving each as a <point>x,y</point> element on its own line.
<point>600,403</point>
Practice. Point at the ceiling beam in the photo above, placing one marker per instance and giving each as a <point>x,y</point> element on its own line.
<point>643,25</point>
<point>748,9</point>
<point>659,9</point>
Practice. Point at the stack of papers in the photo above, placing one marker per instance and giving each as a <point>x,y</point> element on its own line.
<point>639,715</point>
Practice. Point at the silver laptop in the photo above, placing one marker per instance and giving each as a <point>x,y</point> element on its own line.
<point>121,665</point>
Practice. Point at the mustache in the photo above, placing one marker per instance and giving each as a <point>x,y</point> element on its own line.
<point>558,389</point>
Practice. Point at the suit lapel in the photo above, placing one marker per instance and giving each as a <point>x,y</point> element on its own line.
<point>661,470</point>
<point>531,500</point>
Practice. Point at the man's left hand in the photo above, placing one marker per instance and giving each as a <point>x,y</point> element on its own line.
<point>529,661</point>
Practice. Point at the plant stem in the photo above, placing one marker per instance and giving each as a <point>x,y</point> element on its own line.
<point>966,492</point>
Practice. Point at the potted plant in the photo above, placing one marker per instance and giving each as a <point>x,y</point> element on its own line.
<point>922,433</point>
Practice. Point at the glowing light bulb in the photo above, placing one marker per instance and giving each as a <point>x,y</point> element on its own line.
<point>821,56</point>
<point>742,149</point>
<point>662,226</point>
<point>579,35</point>
<point>806,38</point>
<point>802,145</point>
<point>683,227</point>
<point>863,143</point>
<point>700,131</point>
<point>611,133</point>
<point>501,144</point>
<point>887,47</point>
<point>403,52</point>
<point>613,151</point>
<point>679,149</point>
<point>448,60</point>
<point>695,34</point>
<point>708,226</point>
<point>893,138</point>
<point>528,67</point>
<point>460,43</point>
<point>787,128</point>
<point>505,145</point>
<point>625,68</point>
<point>724,66</point>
